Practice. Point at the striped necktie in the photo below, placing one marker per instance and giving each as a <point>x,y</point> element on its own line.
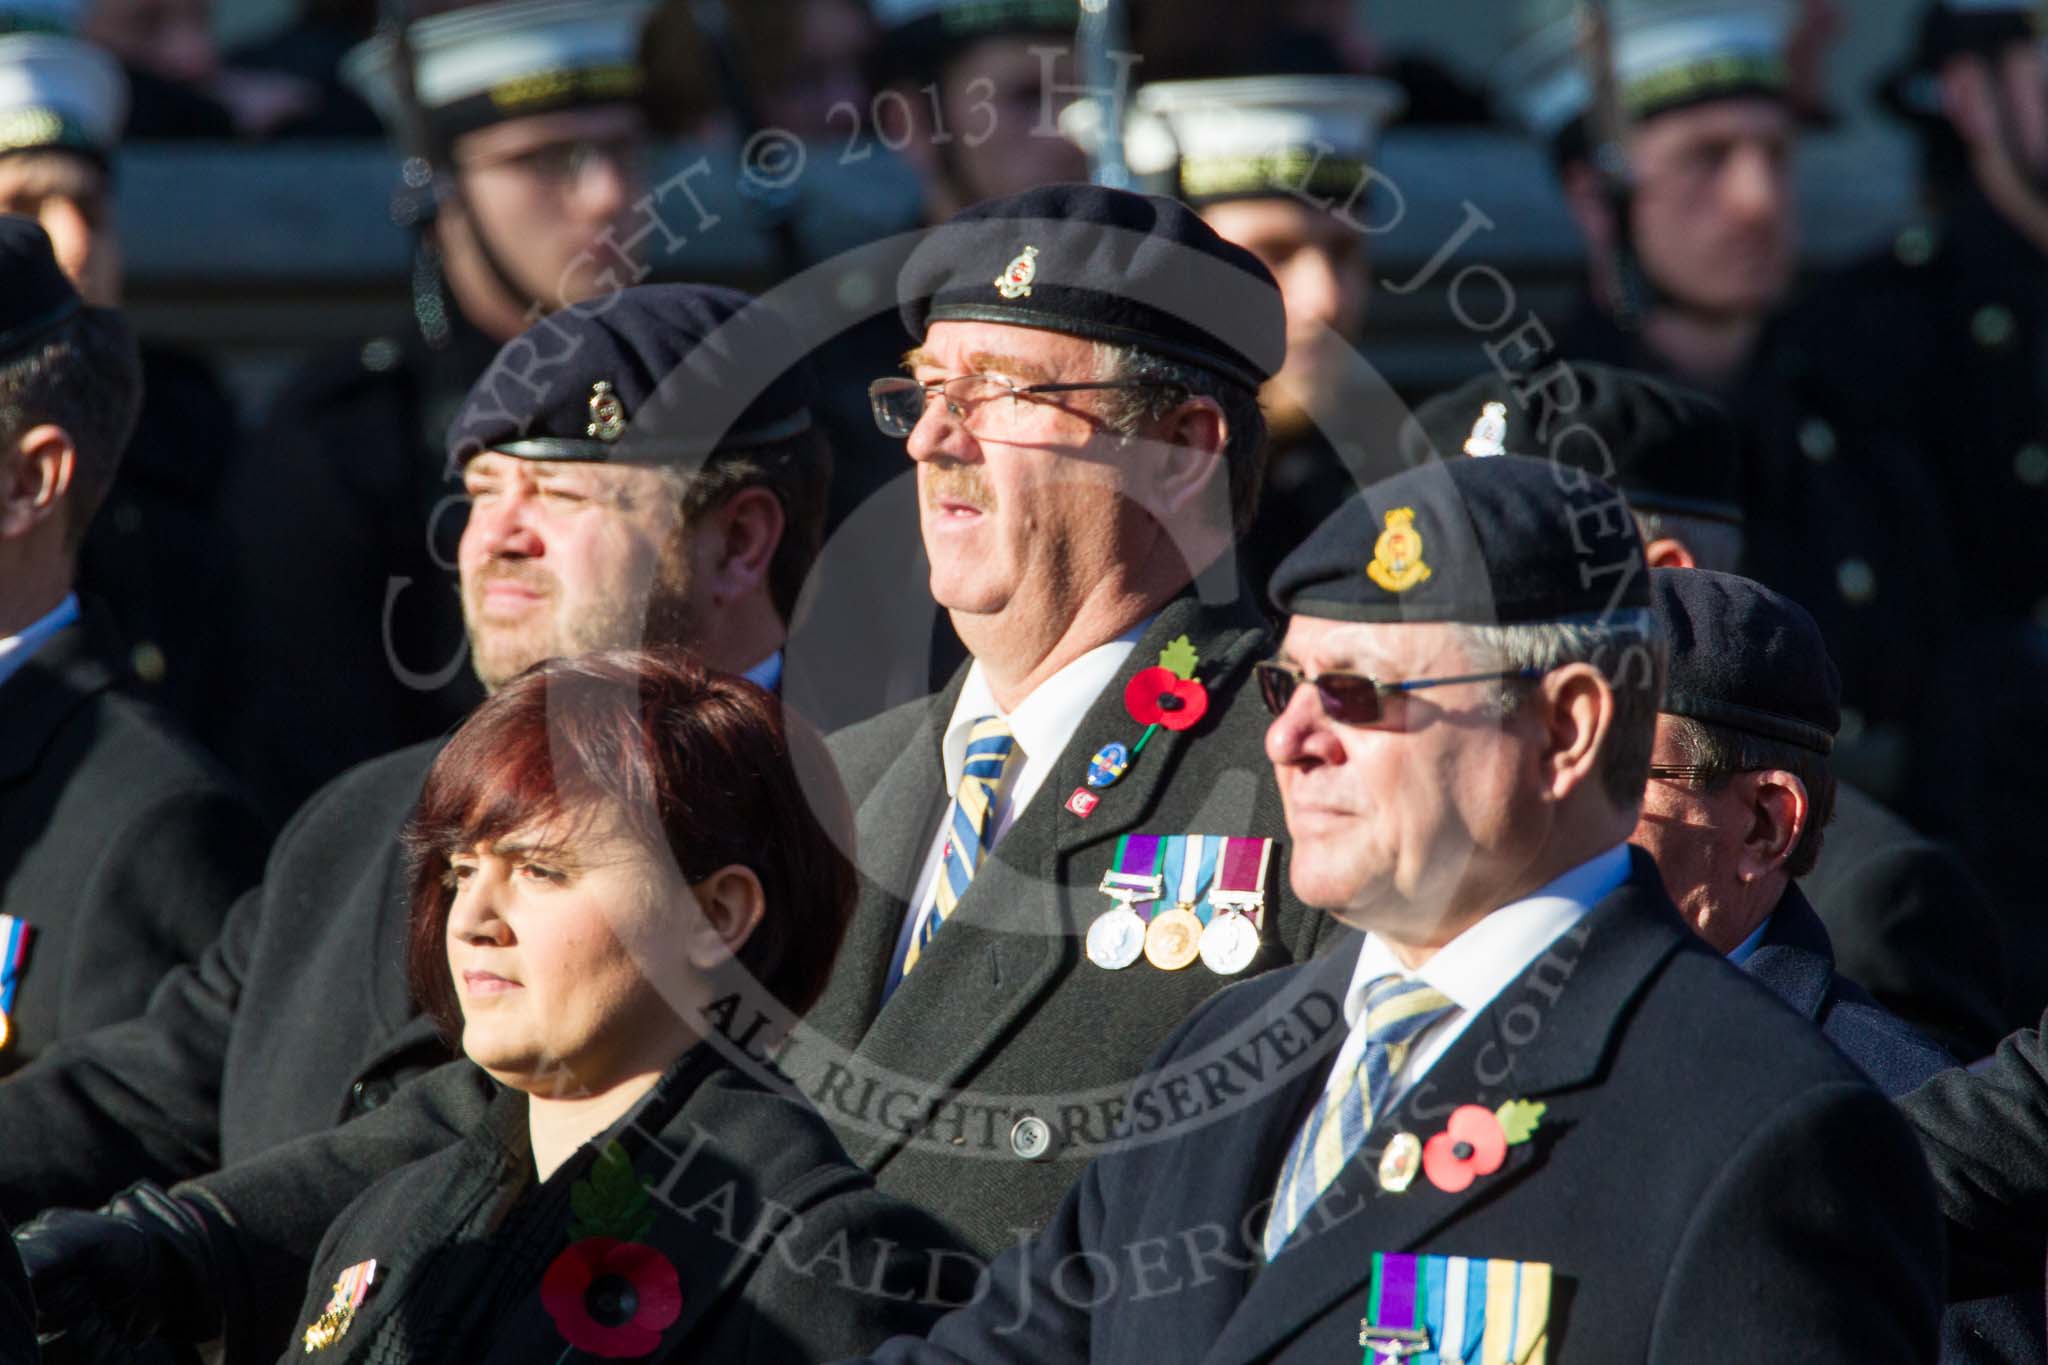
<point>1397,1010</point>
<point>970,826</point>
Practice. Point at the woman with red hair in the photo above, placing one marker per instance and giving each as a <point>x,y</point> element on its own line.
<point>621,890</point>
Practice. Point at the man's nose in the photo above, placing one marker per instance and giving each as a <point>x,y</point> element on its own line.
<point>940,434</point>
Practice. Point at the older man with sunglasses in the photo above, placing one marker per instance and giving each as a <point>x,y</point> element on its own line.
<point>1555,1126</point>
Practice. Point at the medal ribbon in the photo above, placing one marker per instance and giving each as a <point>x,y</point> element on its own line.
<point>1197,872</point>
<point>15,935</point>
<point>1137,869</point>
<point>1399,1289</point>
<point>1242,882</point>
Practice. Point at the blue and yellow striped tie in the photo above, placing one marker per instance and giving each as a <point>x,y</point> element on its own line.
<point>1397,1010</point>
<point>970,825</point>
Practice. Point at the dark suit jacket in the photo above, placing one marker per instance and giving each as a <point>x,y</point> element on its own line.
<point>120,842</point>
<point>1797,964</point>
<point>1710,1181</point>
<point>783,1248</point>
<point>1005,1021</point>
<point>1912,925</point>
<point>296,1018</point>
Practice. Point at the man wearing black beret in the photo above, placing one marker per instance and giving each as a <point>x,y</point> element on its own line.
<point>1739,798</point>
<point>641,470</point>
<point>1908,919</point>
<point>121,844</point>
<point>1077,840</point>
<point>1559,1127</point>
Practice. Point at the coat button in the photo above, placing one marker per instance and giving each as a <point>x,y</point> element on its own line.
<point>1992,326</point>
<point>2030,466</point>
<point>1914,246</point>
<point>1030,1138</point>
<point>367,1095</point>
<point>1817,440</point>
<point>1856,579</point>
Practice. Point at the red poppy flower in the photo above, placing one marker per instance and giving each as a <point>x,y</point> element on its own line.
<point>611,1298</point>
<point>1160,696</point>
<point>1471,1145</point>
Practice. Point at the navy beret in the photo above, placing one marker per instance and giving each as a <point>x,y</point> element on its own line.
<point>1501,541</point>
<point>1107,265</point>
<point>1667,448</point>
<point>1746,658</point>
<point>35,295</point>
<point>655,374</point>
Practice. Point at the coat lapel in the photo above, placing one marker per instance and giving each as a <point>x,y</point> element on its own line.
<point>894,822</point>
<point>1018,928</point>
<point>1795,960</point>
<point>1565,1021</point>
<point>61,677</point>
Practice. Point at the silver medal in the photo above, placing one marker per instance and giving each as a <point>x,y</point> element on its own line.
<point>1229,943</point>
<point>1116,939</point>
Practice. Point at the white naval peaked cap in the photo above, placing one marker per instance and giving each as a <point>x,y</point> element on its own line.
<point>975,16</point>
<point>41,16</point>
<point>60,92</point>
<point>1666,53</point>
<point>486,63</point>
<point>1249,136</point>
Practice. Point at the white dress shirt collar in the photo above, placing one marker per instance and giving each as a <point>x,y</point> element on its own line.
<point>1043,722</point>
<point>1480,963</point>
<point>16,650</point>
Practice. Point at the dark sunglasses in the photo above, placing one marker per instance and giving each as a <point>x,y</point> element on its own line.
<point>1353,698</point>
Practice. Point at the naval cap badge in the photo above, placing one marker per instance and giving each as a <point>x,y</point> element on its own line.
<point>607,413</point>
<point>1490,432</point>
<point>1397,555</point>
<point>1015,281</point>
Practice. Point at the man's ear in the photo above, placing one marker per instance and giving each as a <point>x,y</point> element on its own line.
<point>733,544</point>
<point>1778,812</point>
<point>730,903</point>
<point>34,478</point>
<point>1668,552</point>
<point>1188,464</point>
<point>1966,99</point>
<point>1585,197</point>
<point>1577,718</point>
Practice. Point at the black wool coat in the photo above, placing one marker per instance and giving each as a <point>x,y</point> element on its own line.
<point>1006,1034</point>
<point>121,843</point>
<point>781,1247</point>
<point>296,1018</point>
<point>1796,963</point>
<point>1709,1181</point>
<point>1912,924</point>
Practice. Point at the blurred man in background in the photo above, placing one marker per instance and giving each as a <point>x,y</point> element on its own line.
<point>154,557</point>
<point>121,846</point>
<point>1940,343</point>
<point>978,86</point>
<point>1693,240</point>
<point>1278,160</point>
<point>346,515</point>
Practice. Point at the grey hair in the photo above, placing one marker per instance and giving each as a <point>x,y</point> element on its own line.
<point>1715,545</point>
<point>1630,651</point>
<point>1129,411</point>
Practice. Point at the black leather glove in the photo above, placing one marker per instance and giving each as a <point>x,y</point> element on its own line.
<point>135,1270</point>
